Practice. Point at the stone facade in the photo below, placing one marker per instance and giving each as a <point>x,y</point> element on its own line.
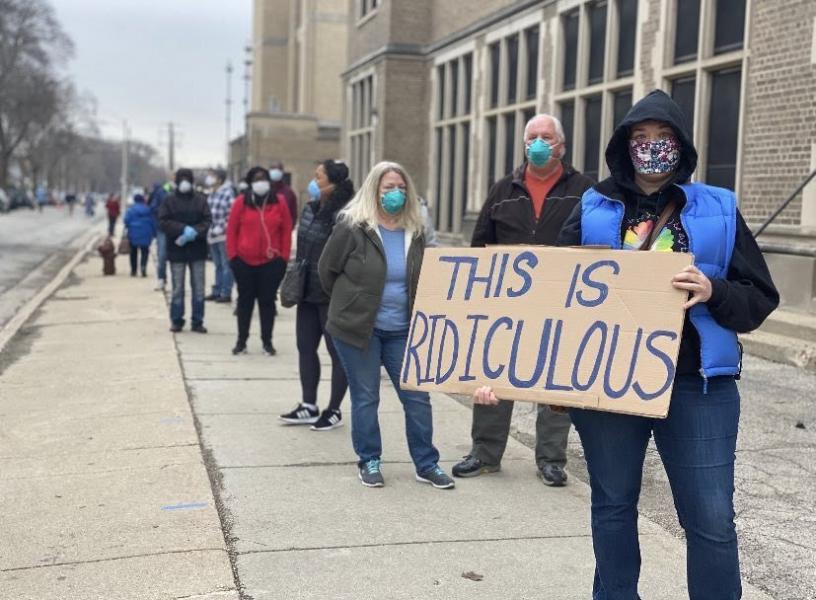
<point>299,51</point>
<point>779,132</point>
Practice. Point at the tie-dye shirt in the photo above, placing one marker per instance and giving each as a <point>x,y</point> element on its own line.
<point>672,238</point>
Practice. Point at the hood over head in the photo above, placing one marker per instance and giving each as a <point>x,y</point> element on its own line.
<point>184,174</point>
<point>656,106</point>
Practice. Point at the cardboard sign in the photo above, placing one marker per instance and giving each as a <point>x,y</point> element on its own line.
<point>592,328</point>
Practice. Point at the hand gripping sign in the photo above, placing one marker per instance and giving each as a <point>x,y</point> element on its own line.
<point>580,327</point>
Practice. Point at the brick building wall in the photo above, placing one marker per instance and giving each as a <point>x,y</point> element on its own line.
<point>779,129</point>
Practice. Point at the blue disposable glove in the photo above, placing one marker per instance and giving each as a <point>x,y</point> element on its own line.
<point>189,233</point>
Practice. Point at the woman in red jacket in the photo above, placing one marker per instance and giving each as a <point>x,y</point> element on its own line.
<point>259,239</point>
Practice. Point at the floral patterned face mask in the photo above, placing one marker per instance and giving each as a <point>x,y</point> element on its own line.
<point>655,157</point>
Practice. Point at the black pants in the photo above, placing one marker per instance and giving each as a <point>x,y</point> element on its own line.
<point>143,262</point>
<point>310,326</point>
<point>112,225</point>
<point>257,284</point>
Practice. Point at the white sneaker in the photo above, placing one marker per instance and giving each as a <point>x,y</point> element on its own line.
<point>161,285</point>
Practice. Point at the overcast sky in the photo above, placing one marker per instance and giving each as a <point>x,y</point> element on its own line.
<point>155,61</point>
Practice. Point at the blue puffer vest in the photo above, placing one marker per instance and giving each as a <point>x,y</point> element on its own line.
<point>709,218</point>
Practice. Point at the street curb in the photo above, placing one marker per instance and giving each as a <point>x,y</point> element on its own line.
<point>24,314</point>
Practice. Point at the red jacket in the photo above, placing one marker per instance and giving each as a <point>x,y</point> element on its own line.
<point>246,238</point>
<point>113,207</point>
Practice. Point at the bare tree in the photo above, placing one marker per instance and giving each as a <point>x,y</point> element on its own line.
<point>32,48</point>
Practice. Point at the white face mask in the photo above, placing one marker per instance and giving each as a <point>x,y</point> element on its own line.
<point>209,180</point>
<point>260,188</point>
<point>185,186</point>
<point>275,174</point>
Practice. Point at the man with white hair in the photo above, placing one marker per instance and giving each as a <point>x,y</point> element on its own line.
<point>528,206</point>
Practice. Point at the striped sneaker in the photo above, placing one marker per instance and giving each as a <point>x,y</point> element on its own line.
<point>329,419</point>
<point>302,415</point>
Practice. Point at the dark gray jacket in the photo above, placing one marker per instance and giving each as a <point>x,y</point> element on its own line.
<point>352,271</point>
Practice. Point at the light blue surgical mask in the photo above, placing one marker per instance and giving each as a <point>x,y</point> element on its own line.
<point>275,174</point>
<point>314,190</point>
<point>539,152</point>
<point>392,201</point>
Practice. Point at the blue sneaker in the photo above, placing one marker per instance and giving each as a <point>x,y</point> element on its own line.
<point>437,478</point>
<point>370,474</point>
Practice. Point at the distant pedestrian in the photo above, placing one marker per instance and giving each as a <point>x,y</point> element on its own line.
<point>157,197</point>
<point>184,217</point>
<point>141,229</point>
<point>70,200</point>
<point>370,269</point>
<point>280,187</point>
<point>114,208</point>
<point>330,191</point>
<point>90,203</point>
<point>220,200</point>
<point>259,240</point>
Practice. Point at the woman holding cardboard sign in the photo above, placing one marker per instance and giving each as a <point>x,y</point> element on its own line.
<point>649,204</point>
<point>370,269</point>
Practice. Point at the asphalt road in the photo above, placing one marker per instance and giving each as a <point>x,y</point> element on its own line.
<point>33,248</point>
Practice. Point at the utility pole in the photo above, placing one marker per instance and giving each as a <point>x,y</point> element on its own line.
<point>171,148</point>
<point>229,111</point>
<point>247,79</point>
<point>125,166</point>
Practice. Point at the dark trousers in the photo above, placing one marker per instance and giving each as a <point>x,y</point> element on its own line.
<point>112,225</point>
<point>134,250</point>
<point>310,327</point>
<point>696,444</point>
<point>491,428</point>
<point>257,284</point>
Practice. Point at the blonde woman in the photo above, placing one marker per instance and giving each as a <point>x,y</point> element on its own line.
<point>370,269</point>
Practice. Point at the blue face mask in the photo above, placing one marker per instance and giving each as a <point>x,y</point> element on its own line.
<point>539,152</point>
<point>314,190</point>
<point>392,201</point>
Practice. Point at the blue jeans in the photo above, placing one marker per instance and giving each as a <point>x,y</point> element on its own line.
<point>178,270</point>
<point>696,444</point>
<point>362,367</point>
<point>223,274</point>
<point>161,255</point>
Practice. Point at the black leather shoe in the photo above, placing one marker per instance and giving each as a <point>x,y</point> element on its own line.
<point>470,466</point>
<point>552,475</point>
<point>176,327</point>
<point>198,329</point>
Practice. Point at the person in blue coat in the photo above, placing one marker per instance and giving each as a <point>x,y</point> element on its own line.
<point>141,229</point>
<point>649,203</point>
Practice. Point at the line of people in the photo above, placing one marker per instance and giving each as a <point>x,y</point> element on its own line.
<point>362,254</point>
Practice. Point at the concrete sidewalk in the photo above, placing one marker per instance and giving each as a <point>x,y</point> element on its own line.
<point>104,491</point>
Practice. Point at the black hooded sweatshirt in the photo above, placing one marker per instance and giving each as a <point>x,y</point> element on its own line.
<point>747,295</point>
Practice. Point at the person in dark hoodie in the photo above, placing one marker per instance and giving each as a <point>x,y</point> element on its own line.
<point>649,204</point>
<point>184,217</point>
<point>330,190</point>
<point>528,206</point>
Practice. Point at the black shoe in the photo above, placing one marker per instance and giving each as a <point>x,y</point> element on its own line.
<point>223,300</point>
<point>370,474</point>
<point>144,273</point>
<point>302,415</point>
<point>329,419</point>
<point>437,478</point>
<point>269,350</point>
<point>470,466</point>
<point>552,475</point>
<point>133,274</point>
<point>240,348</point>
<point>176,327</point>
<point>198,328</point>
<point>211,297</point>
